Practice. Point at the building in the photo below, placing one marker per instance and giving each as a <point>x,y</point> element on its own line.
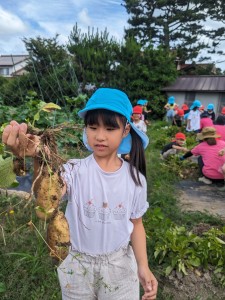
<point>206,88</point>
<point>12,65</point>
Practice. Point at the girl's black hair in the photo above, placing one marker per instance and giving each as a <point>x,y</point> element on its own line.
<point>137,155</point>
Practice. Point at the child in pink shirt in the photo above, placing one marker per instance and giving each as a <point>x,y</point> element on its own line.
<point>212,165</point>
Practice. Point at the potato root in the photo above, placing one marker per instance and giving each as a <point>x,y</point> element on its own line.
<point>48,195</point>
<point>58,237</point>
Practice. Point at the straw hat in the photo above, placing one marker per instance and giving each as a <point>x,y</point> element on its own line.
<point>207,132</point>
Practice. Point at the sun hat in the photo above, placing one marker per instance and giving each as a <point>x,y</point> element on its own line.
<point>180,112</point>
<point>196,103</point>
<point>207,132</point>
<point>117,101</point>
<point>180,136</point>
<point>137,109</point>
<point>223,110</point>
<point>210,106</point>
<point>171,100</point>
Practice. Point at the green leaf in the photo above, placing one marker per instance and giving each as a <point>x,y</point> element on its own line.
<point>195,262</point>
<point>2,287</point>
<point>7,176</point>
<point>48,107</point>
<point>36,116</point>
<point>168,270</point>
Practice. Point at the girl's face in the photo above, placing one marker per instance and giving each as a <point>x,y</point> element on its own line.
<point>105,139</point>
<point>136,117</point>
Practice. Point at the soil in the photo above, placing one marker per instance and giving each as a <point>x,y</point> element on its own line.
<point>198,285</point>
<point>197,196</point>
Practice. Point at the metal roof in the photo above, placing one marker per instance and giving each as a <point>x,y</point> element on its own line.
<point>11,60</point>
<point>203,83</point>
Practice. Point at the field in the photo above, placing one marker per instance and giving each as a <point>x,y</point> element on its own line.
<point>28,273</point>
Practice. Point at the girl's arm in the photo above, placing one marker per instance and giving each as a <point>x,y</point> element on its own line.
<point>147,279</point>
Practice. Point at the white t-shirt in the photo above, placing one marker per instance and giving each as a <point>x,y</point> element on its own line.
<point>101,204</point>
<point>194,117</point>
<point>141,126</point>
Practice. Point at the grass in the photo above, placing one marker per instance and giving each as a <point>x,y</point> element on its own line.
<point>26,270</point>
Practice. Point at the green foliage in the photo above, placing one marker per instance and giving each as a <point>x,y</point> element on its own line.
<point>167,22</point>
<point>25,264</point>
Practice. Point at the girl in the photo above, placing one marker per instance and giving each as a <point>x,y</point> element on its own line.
<point>106,202</point>
<point>193,119</point>
<point>140,124</point>
<point>170,108</point>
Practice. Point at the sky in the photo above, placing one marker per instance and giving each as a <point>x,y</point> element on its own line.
<point>45,18</point>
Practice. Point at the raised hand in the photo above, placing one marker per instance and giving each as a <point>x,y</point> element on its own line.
<point>20,142</point>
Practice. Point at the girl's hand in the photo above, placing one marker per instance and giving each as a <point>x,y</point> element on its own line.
<point>21,143</point>
<point>148,282</point>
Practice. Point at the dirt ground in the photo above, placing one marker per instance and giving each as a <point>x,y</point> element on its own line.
<point>197,196</point>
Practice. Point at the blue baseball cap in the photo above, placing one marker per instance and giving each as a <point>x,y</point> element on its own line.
<point>210,106</point>
<point>117,101</point>
<point>196,103</point>
<point>171,100</point>
<point>142,102</point>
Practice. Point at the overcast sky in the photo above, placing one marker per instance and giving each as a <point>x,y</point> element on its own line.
<point>45,18</point>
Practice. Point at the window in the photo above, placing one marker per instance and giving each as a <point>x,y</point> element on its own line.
<point>4,71</point>
<point>189,98</point>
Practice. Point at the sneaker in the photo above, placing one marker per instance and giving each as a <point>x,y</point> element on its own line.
<point>222,189</point>
<point>205,180</point>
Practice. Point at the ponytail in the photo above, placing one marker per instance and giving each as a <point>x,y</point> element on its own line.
<point>137,158</point>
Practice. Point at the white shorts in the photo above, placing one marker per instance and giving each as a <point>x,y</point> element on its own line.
<point>102,277</point>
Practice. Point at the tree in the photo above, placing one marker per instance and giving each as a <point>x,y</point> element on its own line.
<point>173,24</point>
<point>143,72</point>
<point>50,69</point>
<point>94,56</point>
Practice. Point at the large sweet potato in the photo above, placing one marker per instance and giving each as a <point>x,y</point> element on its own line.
<point>58,237</point>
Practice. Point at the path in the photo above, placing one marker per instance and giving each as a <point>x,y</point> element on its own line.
<point>197,196</point>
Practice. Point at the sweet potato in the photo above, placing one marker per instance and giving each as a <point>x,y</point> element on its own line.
<point>58,237</point>
<point>48,195</point>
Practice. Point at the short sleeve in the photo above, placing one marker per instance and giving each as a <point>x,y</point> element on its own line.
<point>140,204</point>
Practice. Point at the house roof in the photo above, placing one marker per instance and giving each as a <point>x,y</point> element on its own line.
<point>11,60</point>
<point>203,83</point>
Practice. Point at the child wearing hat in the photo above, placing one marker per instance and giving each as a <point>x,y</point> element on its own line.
<point>178,117</point>
<point>145,111</point>
<point>107,235</point>
<point>136,116</point>
<point>193,119</point>
<point>210,111</point>
<point>211,164</point>
<point>170,107</point>
<point>176,146</point>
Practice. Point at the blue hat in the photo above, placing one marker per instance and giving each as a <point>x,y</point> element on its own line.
<point>171,100</point>
<point>196,103</point>
<point>210,106</point>
<point>117,101</point>
<point>141,102</point>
